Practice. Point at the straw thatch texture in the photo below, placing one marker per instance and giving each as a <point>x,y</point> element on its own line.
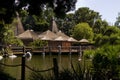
<point>62,34</point>
<point>60,38</point>
<point>19,27</point>
<point>54,27</point>
<point>84,41</point>
<point>28,34</point>
<point>47,35</point>
<point>71,39</point>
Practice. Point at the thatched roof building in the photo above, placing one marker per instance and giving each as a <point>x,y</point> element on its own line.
<point>28,36</point>
<point>19,27</point>
<point>47,35</point>
<point>60,38</point>
<point>59,33</point>
<point>84,41</point>
<point>54,27</point>
<point>71,39</point>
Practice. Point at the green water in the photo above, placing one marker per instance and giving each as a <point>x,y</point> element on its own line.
<point>39,62</point>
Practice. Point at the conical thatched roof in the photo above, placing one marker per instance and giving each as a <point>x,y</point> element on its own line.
<point>62,34</point>
<point>28,34</point>
<point>71,39</point>
<point>19,27</point>
<point>54,27</point>
<point>84,41</point>
<point>47,35</point>
<point>60,38</point>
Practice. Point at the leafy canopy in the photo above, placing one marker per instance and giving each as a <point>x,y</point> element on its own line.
<point>83,30</point>
<point>8,8</point>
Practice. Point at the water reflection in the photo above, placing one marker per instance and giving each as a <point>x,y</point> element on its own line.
<point>40,62</point>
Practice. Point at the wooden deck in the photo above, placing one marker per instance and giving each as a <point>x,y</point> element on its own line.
<point>52,49</point>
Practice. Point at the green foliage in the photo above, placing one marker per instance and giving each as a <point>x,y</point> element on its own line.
<point>89,54</point>
<point>38,43</point>
<point>8,37</point>
<point>110,35</point>
<point>117,22</point>
<point>17,42</point>
<point>81,15</point>
<point>83,30</point>
<point>8,34</point>
<point>106,63</point>
<point>8,9</point>
<point>97,26</point>
<point>37,23</point>
<point>84,14</point>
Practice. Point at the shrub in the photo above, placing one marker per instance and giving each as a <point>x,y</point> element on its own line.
<point>38,43</point>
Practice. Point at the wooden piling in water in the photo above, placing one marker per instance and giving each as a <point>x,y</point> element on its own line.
<point>56,69</point>
<point>23,68</point>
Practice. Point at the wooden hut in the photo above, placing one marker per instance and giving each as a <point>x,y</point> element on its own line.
<point>84,41</point>
<point>47,35</point>
<point>57,39</point>
<point>28,36</point>
<point>85,44</point>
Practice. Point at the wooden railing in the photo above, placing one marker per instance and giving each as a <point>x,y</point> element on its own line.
<point>60,49</point>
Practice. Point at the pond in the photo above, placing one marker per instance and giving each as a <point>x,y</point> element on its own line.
<point>40,62</point>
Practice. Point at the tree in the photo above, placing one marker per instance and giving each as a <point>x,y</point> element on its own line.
<point>100,26</point>
<point>37,23</point>
<point>83,30</point>
<point>7,36</point>
<point>117,23</point>
<point>84,14</point>
<point>97,26</point>
<point>111,35</point>
<point>66,24</point>
<point>8,8</point>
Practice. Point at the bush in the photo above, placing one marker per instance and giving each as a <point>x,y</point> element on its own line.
<point>38,43</point>
<point>106,63</point>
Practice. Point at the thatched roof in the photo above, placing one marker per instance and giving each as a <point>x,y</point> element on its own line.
<point>62,34</point>
<point>19,27</point>
<point>71,39</point>
<point>84,41</point>
<point>60,38</point>
<point>53,27</point>
<point>47,35</point>
<point>28,34</point>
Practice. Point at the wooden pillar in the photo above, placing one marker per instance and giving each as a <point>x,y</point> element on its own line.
<point>50,49</point>
<point>55,70</point>
<point>44,50</point>
<point>70,50</point>
<point>23,68</point>
<point>59,48</point>
<point>23,49</point>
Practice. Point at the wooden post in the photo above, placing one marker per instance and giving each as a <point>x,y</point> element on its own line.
<point>59,47</point>
<point>23,50</point>
<point>56,72</point>
<point>23,68</point>
<point>49,49</point>
<point>44,50</point>
<point>70,50</point>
